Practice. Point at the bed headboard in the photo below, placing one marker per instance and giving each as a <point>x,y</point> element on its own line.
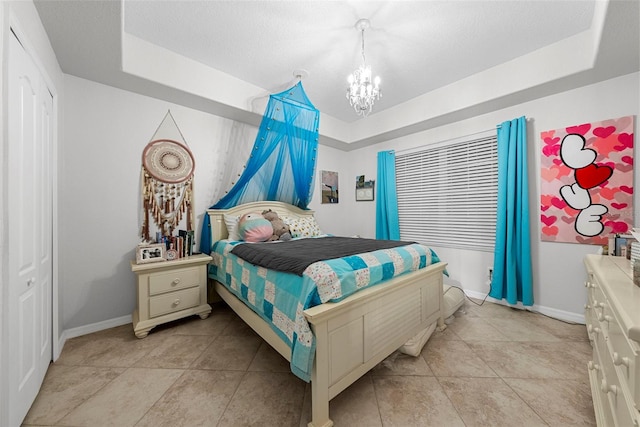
<point>216,216</point>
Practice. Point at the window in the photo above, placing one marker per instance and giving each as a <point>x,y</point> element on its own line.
<point>447,194</point>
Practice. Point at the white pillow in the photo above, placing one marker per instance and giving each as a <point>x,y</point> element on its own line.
<point>231,222</point>
<point>302,226</point>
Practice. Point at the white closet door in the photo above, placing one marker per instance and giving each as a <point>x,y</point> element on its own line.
<point>30,230</point>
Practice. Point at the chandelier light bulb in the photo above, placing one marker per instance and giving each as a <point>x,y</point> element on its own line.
<point>361,93</point>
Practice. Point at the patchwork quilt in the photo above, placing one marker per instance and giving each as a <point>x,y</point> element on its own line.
<point>280,298</point>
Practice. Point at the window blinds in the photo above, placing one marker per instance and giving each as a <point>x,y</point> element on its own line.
<point>447,194</point>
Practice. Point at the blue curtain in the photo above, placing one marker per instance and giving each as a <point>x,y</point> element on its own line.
<point>512,276</point>
<point>282,163</point>
<point>387,221</point>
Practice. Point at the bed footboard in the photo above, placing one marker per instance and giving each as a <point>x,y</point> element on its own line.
<point>354,335</point>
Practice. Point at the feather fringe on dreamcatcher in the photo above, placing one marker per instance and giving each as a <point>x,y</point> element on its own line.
<point>167,183</point>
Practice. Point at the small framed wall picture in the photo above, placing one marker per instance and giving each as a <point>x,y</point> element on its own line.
<point>155,252</point>
<point>365,192</point>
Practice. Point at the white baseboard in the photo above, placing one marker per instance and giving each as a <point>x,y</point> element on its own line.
<point>89,329</point>
<point>566,316</point>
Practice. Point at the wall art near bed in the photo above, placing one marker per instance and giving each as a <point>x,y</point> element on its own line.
<point>329,183</point>
<point>364,189</point>
<point>586,191</point>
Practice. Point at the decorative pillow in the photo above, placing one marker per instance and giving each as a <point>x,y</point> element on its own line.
<point>302,226</point>
<point>253,227</point>
<point>231,221</point>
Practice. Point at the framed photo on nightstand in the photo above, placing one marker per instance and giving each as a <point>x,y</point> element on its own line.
<point>151,253</point>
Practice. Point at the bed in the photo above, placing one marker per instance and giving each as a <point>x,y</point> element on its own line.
<point>351,336</point>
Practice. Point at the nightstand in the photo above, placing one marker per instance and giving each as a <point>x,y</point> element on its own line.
<point>170,290</point>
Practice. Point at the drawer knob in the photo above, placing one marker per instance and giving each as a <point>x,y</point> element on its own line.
<point>617,360</point>
<point>604,318</point>
<point>593,366</point>
<point>606,388</point>
<point>591,329</point>
<point>176,302</point>
<point>175,281</point>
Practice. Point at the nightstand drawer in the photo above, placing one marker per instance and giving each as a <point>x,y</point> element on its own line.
<point>174,301</point>
<point>173,280</point>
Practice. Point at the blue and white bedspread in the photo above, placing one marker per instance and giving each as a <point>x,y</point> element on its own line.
<point>280,298</point>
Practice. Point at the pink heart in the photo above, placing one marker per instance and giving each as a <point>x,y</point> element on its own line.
<point>618,205</point>
<point>551,150</point>
<point>549,174</point>
<point>624,168</point>
<point>558,203</point>
<point>628,190</point>
<point>544,208</point>
<point>580,129</point>
<point>626,139</point>
<point>551,141</point>
<point>550,231</point>
<point>627,159</point>
<point>617,226</point>
<point>567,219</point>
<point>608,193</point>
<point>548,220</point>
<point>604,132</point>
<point>545,199</point>
<point>557,162</point>
<point>581,239</point>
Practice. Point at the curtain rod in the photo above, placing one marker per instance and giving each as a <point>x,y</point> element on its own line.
<point>446,140</point>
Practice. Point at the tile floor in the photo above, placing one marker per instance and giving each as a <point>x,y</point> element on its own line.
<point>493,366</point>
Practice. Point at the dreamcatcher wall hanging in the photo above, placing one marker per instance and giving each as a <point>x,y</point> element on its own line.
<point>167,181</point>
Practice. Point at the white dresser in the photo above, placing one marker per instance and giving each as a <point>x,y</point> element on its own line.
<point>612,314</point>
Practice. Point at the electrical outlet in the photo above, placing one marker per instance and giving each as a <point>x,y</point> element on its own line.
<point>489,274</point>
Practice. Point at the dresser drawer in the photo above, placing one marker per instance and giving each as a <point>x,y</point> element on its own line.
<point>174,301</point>
<point>160,283</point>
<point>624,355</point>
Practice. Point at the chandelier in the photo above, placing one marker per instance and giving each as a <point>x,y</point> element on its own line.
<point>362,92</point>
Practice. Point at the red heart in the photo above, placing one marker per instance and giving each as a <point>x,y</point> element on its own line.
<point>627,159</point>
<point>548,220</point>
<point>543,208</point>
<point>618,205</point>
<point>604,132</point>
<point>551,141</point>
<point>592,175</point>
<point>580,129</point>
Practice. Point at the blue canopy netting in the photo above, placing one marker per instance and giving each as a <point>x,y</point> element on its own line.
<point>282,163</point>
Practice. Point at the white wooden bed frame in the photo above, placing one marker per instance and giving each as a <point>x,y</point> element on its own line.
<point>355,334</point>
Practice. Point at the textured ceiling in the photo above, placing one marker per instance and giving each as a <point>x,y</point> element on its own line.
<point>439,61</point>
<point>414,46</point>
